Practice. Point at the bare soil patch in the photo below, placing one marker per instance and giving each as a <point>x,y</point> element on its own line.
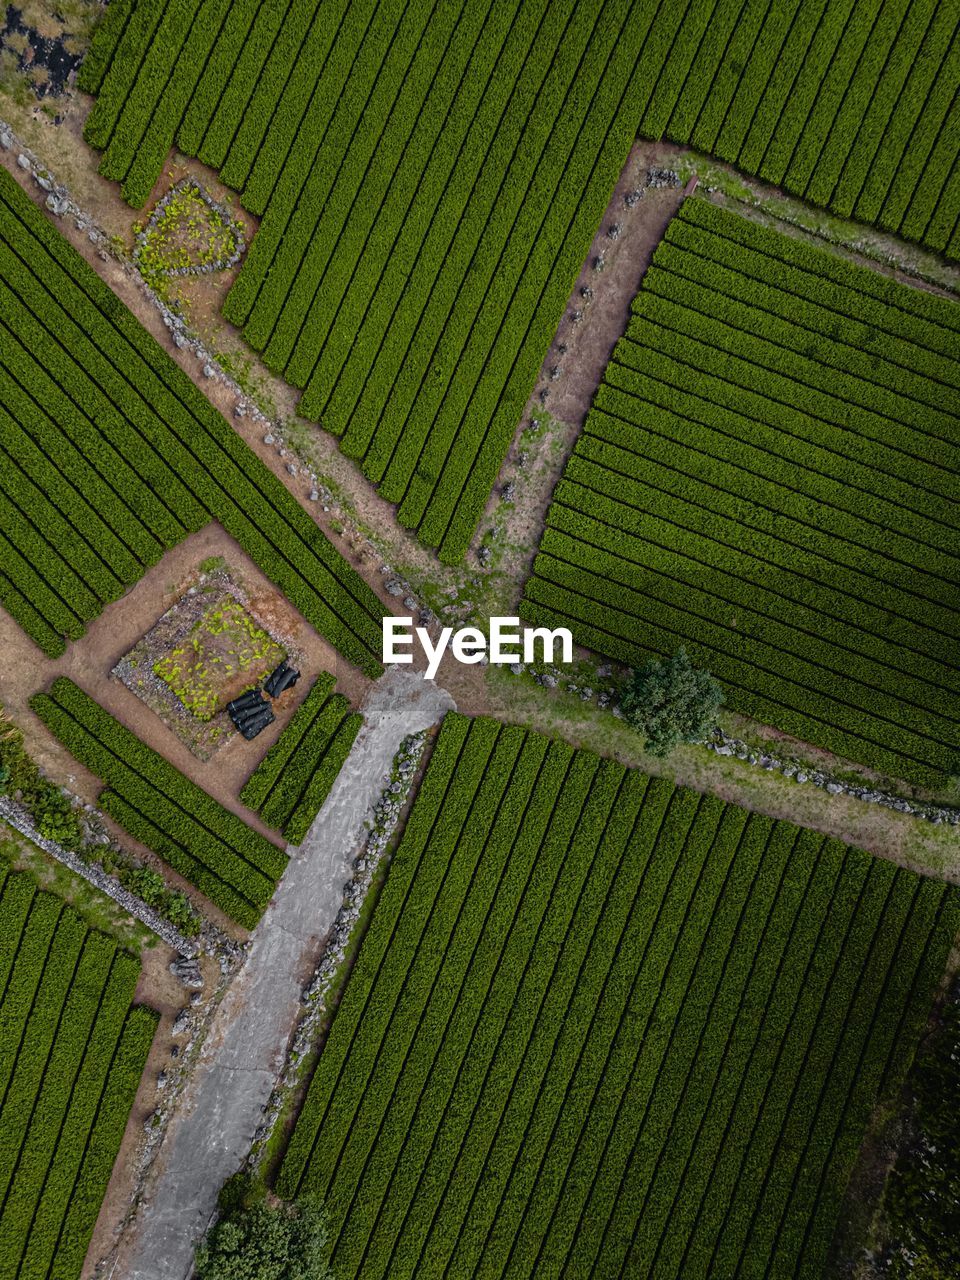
<point>204,651</point>
<point>161,991</point>
<point>572,369</point>
<point>90,661</point>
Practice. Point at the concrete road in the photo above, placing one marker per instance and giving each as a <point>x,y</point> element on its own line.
<point>212,1128</point>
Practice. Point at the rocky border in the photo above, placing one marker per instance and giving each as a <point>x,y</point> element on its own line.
<point>723,744</point>
<point>17,817</point>
<point>386,815</point>
<point>233,227</point>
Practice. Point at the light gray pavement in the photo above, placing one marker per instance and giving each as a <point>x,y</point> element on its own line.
<point>213,1125</point>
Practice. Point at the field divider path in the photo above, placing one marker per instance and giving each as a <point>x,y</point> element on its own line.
<point>245,1050</point>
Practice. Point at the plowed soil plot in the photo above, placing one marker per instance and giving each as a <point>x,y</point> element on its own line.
<point>770,475</point>
<point>604,1026</point>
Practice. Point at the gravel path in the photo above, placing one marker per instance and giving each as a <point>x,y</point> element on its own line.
<point>213,1125</point>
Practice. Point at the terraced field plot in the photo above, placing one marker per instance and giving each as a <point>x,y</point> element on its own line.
<point>236,867</point>
<point>601,1025</point>
<point>770,475</point>
<point>109,455</point>
<point>430,176</point>
<point>72,1050</point>
<point>294,778</point>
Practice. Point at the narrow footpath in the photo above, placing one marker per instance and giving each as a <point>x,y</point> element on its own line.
<point>213,1125</point>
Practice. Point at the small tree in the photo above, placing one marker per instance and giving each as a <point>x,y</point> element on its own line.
<point>254,1241</point>
<point>669,701</point>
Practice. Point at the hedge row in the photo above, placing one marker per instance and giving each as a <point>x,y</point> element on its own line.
<point>263,779</point>
<point>109,393</point>
<point>292,781</point>
<point>602,1024</point>
<point>73,1054</point>
<point>423,222</point>
<point>512,192</point>
<point>852,108</point>
<point>236,867</point>
<point>752,485</point>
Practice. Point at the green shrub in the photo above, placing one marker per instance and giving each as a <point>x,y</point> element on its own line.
<point>671,701</point>
<point>255,1241</point>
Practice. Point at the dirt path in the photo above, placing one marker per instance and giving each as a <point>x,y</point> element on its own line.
<point>211,1132</point>
<point>573,366</point>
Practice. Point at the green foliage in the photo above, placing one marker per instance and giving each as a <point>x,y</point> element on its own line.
<point>187,234</point>
<point>922,1201</point>
<point>256,1241</point>
<point>293,779</point>
<point>670,701</point>
<point>422,231</point>
<point>104,479</point>
<point>58,818</point>
<point>58,822</point>
<point>72,1051</point>
<point>760,479</point>
<point>237,868</point>
<point>224,641</point>
<point>600,1024</point>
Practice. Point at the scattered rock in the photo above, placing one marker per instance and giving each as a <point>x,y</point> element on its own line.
<point>24,162</point>
<point>188,972</point>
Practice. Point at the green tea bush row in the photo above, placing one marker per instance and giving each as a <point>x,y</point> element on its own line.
<point>298,778</point>
<point>392,170</point>
<point>322,779</point>
<point>74,1051</point>
<point>263,779</point>
<point>768,484</point>
<point>89,1188</point>
<point>601,1022</point>
<point>235,866</point>
<point>458,1128</point>
<point>294,778</point>
<point>441,973</point>
<point>110,393</point>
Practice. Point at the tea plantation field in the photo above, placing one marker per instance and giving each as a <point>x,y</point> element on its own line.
<point>602,1025</point>
<point>236,867</point>
<point>293,779</point>
<point>768,475</point>
<point>109,455</point>
<point>430,176</point>
<point>72,1050</point>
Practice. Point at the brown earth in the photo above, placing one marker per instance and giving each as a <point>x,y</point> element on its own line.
<point>589,345</point>
<point>90,660</point>
<point>161,991</point>
<point>184,656</point>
